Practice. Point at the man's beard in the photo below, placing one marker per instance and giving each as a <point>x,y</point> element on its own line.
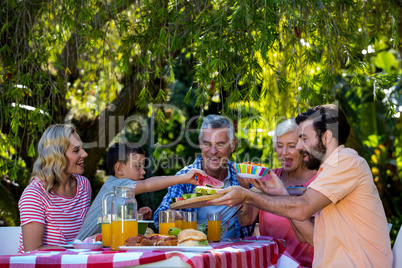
<point>314,159</point>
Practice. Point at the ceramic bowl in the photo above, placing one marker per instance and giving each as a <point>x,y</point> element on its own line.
<point>142,226</point>
<point>250,171</point>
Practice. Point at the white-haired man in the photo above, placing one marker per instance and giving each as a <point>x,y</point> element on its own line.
<point>217,142</point>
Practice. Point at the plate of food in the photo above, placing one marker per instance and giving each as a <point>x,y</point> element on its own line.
<point>198,199</point>
<point>249,170</point>
<point>187,240</point>
<point>166,248</point>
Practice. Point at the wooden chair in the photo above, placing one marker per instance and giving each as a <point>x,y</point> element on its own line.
<point>11,240</point>
<point>397,250</point>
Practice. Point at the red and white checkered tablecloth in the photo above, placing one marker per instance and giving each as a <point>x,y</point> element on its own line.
<point>224,254</point>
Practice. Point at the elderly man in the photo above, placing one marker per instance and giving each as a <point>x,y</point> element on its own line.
<point>217,142</point>
<point>350,227</point>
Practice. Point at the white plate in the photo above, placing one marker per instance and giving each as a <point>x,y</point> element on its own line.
<point>257,241</point>
<point>249,176</point>
<point>66,245</point>
<point>166,248</point>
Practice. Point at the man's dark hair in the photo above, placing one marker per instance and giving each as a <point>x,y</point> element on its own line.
<point>327,117</point>
<point>119,152</point>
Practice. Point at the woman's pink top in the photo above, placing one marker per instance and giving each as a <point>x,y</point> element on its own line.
<point>279,227</point>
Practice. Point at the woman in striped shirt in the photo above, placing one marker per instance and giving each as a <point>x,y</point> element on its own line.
<point>53,206</point>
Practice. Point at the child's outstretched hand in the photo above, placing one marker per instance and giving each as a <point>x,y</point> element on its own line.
<point>146,212</point>
<point>191,176</point>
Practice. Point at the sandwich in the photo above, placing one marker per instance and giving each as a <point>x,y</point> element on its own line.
<point>191,237</point>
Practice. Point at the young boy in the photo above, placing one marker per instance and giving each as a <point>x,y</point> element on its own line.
<point>126,168</point>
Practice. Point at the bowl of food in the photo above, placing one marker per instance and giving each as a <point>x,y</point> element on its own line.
<point>250,170</point>
<point>296,190</point>
<point>142,226</point>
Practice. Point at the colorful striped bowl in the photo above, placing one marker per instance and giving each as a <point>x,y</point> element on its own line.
<point>249,171</point>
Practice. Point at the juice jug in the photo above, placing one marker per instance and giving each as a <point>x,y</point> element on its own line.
<point>123,215</point>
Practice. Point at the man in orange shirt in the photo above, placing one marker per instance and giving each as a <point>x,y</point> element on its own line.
<point>349,227</point>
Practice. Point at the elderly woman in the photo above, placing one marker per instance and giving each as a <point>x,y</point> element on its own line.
<point>54,204</point>
<point>292,173</point>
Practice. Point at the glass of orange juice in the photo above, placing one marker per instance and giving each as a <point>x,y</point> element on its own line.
<point>178,220</point>
<point>106,231</point>
<point>166,221</point>
<point>214,226</point>
<point>189,220</point>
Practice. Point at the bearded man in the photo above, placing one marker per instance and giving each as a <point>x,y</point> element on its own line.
<point>349,227</point>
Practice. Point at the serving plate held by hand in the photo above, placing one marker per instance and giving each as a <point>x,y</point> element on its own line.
<point>195,202</point>
<point>250,171</point>
<point>166,248</point>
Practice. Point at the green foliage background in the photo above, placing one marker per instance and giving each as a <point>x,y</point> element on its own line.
<point>141,70</point>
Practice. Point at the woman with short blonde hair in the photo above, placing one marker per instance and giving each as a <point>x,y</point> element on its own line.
<point>54,204</point>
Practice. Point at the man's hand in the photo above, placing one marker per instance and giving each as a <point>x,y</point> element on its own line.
<point>243,182</point>
<point>273,186</point>
<point>146,212</point>
<point>234,195</point>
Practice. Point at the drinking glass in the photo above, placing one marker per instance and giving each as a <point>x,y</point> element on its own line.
<point>190,220</point>
<point>166,221</point>
<point>179,219</point>
<point>214,226</point>
<point>106,230</point>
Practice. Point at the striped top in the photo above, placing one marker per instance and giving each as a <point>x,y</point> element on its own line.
<point>61,216</point>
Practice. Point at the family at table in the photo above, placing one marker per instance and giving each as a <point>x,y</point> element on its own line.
<point>338,221</point>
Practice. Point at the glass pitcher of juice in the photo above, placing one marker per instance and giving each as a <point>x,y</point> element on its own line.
<point>123,215</point>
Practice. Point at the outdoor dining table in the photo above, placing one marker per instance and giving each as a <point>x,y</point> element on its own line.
<point>244,254</point>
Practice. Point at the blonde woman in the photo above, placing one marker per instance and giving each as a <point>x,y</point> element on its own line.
<point>53,206</point>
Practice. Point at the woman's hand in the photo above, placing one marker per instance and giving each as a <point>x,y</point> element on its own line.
<point>243,182</point>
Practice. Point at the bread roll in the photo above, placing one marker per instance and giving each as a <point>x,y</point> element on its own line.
<point>191,237</point>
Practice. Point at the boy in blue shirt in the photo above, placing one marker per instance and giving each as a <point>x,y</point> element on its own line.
<point>126,168</point>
